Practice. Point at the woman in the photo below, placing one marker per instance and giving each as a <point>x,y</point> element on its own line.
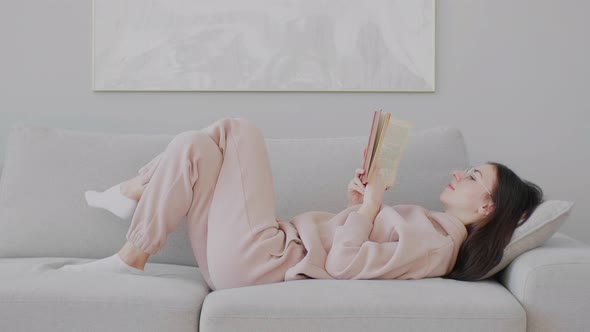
<point>220,179</point>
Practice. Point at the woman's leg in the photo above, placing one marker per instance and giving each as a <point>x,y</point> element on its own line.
<point>245,245</point>
<point>121,199</point>
<point>133,188</point>
<point>234,234</point>
<point>171,178</point>
<point>180,178</point>
<point>220,178</point>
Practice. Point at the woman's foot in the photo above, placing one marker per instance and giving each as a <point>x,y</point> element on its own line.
<point>121,199</point>
<point>113,263</point>
<point>128,260</point>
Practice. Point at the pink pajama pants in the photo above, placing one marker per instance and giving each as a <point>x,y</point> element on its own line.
<point>220,178</point>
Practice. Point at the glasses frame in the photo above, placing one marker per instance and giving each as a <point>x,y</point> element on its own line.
<point>470,171</point>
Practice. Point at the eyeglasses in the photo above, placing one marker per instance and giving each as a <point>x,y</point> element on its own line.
<point>471,172</point>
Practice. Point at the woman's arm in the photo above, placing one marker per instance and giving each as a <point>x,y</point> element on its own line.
<point>373,195</point>
<point>369,210</point>
<point>354,256</point>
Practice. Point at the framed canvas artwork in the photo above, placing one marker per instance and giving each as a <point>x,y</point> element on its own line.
<point>263,45</point>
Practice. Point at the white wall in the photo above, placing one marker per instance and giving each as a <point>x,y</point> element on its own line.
<point>512,75</point>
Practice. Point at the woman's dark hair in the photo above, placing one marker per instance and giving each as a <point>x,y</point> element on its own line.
<point>515,200</point>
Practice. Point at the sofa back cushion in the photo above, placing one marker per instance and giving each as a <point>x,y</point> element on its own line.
<point>46,171</point>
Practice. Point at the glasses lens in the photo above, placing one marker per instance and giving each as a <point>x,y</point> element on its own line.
<point>466,172</point>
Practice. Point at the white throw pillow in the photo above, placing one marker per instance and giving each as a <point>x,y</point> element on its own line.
<point>538,228</point>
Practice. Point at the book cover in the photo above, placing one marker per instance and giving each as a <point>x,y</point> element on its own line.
<point>387,143</point>
<point>377,118</point>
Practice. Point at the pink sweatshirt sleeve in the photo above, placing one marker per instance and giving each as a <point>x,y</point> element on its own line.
<point>354,256</point>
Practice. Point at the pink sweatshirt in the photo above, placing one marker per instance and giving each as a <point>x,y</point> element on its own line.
<point>405,242</point>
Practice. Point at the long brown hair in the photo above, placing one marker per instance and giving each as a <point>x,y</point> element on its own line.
<point>515,200</point>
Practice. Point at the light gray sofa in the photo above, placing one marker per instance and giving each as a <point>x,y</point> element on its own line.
<point>45,224</point>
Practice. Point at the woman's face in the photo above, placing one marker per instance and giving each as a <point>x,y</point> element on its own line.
<point>466,198</point>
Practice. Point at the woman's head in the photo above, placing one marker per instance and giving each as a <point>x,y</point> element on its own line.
<point>469,194</point>
<point>490,217</point>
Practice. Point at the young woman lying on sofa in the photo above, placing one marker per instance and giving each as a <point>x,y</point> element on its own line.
<point>220,178</point>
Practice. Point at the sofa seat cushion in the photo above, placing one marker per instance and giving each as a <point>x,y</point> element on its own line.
<point>432,304</point>
<point>35,296</point>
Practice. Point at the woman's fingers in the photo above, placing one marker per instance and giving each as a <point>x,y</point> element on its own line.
<point>359,189</point>
<point>357,186</point>
<point>359,172</point>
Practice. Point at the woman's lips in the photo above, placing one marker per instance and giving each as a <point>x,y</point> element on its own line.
<point>450,186</point>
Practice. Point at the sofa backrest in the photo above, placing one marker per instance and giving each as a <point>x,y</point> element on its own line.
<point>46,171</point>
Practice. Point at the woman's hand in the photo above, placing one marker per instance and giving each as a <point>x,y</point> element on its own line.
<point>356,189</point>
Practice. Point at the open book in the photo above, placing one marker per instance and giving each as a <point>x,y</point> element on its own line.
<point>387,142</point>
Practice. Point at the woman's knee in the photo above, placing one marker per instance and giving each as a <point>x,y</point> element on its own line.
<point>192,141</point>
<point>243,127</point>
<point>189,138</point>
<point>247,123</point>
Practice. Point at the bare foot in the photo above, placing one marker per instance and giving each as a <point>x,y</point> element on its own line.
<point>134,187</point>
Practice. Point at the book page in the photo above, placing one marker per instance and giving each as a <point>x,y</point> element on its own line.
<point>394,143</point>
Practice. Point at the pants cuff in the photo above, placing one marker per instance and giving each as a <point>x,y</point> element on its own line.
<point>144,243</point>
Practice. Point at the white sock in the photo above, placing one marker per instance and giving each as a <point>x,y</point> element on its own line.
<point>113,201</point>
<point>112,263</point>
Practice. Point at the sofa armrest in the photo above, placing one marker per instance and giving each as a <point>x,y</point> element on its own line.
<point>552,283</point>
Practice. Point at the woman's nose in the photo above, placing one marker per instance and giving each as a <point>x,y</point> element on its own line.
<point>456,176</point>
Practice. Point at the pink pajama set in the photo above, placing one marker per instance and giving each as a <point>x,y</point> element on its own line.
<point>220,178</point>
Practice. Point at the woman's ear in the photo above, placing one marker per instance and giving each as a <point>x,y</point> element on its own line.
<point>487,208</point>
